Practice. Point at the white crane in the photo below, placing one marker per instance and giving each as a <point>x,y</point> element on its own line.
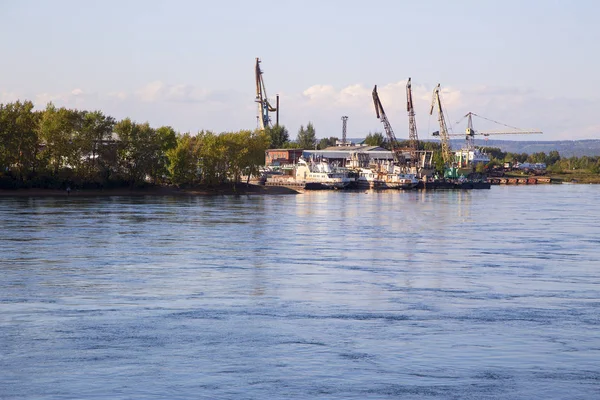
<point>470,132</point>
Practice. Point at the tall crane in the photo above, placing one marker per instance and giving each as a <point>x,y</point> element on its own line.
<point>470,132</point>
<point>443,132</point>
<point>398,156</point>
<point>264,107</point>
<point>344,123</point>
<point>413,138</point>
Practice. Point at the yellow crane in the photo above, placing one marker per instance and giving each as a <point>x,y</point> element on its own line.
<point>413,137</point>
<point>443,132</point>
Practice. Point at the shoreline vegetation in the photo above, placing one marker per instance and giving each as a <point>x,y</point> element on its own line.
<point>219,190</point>
<point>44,152</point>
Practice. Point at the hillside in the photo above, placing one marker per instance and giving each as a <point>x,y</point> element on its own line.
<point>566,148</point>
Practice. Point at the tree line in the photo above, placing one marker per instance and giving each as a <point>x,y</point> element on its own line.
<point>554,162</point>
<point>60,147</point>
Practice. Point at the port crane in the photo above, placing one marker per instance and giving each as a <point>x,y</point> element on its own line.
<point>443,132</point>
<point>470,132</point>
<point>264,107</point>
<point>397,152</point>
<point>413,137</point>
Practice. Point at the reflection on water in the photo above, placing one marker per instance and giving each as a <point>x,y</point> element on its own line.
<point>457,294</point>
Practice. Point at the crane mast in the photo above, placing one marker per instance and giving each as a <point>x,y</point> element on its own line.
<point>264,107</point>
<point>398,156</point>
<point>470,138</point>
<point>413,138</point>
<point>443,133</point>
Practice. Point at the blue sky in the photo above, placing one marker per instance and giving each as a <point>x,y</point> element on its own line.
<point>190,64</point>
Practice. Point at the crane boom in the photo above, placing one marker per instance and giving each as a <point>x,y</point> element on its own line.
<point>443,133</point>
<point>398,156</point>
<point>413,137</point>
<point>470,132</point>
<point>264,107</point>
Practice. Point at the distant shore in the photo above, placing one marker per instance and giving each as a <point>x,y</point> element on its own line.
<point>240,189</point>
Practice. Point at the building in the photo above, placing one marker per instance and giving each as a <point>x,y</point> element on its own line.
<point>340,154</point>
<point>279,157</point>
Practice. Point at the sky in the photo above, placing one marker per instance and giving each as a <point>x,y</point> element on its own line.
<point>529,64</point>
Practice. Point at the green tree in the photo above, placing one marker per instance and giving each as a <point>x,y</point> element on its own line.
<point>307,138</point>
<point>256,143</point>
<point>94,136</point>
<point>279,136</point>
<point>142,151</point>
<point>375,139</point>
<point>166,138</point>
<point>495,153</point>
<point>183,161</point>
<point>57,130</point>
<point>553,157</point>
<point>438,162</point>
<point>19,141</point>
<point>211,158</point>
<point>327,142</point>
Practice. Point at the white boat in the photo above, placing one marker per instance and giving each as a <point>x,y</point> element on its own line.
<point>386,176</point>
<point>322,173</point>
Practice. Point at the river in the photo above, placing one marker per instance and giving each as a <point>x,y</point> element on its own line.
<point>483,294</point>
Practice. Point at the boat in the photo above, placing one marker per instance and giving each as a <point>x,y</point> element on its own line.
<point>320,174</point>
<point>385,176</point>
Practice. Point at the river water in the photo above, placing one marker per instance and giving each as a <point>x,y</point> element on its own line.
<point>484,294</point>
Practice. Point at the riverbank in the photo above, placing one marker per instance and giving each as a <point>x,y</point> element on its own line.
<point>239,189</point>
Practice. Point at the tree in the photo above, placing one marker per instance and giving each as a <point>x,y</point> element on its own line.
<point>57,131</point>
<point>494,152</point>
<point>278,135</point>
<point>438,162</point>
<point>553,157</point>
<point>183,160</point>
<point>375,139</point>
<point>93,138</point>
<point>257,143</point>
<point>167,140</point>
<point>142,150</point>
<point>307,138</point>
<point>211,158</point>
<point>327,142</point>
<point>19,141</point>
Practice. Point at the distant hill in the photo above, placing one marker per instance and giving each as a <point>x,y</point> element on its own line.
<point>566,148</point>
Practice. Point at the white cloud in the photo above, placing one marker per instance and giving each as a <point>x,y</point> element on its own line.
<point>118,95</point>
<point>7,97</point>
<point>189,107</point>
<point>152,91</point>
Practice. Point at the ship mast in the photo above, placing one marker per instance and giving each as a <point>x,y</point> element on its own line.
<point>413,137</point>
